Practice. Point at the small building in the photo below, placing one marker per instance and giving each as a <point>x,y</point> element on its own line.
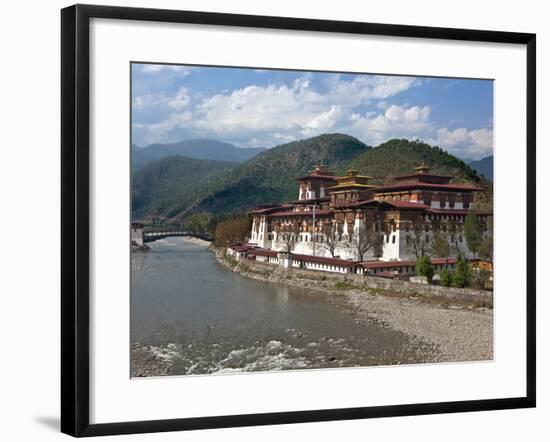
<point>137,233</point>
<point>239,251</point>
<point>404,268</point>
<point>481,264</point>
<point>262,255</point>
<point>324,264</point>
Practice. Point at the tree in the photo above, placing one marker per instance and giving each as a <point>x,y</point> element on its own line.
<point>199,222</point>
<point>361,242</point>
<point>472,231</point>
<point>232,231</point>
<point>446,277</point>
<point>441,247</point>
<point>332,238</point>
<point>424,267</point>
<point>463,274</point>
<point>485,249</point>
<point>288,236</point>
<point>419,241</point>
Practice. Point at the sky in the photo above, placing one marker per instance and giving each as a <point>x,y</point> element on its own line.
<point>264,108</point>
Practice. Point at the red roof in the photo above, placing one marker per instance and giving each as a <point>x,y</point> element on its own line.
<point>406,204</point>
<point>310,201</point>
<point>404,263</point>
<point>268,210</point>
<point>317,177</point>
<point>241,248</point>
<point>415,175</point>
<point>319,212</point>
<point>429,186</point>
<point>324,260</point>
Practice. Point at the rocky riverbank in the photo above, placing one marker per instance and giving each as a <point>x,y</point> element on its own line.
<point>460,328</point>
<point>148,361</point>
<point>198,241</point>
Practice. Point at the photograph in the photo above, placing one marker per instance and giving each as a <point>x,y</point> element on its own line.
<point>301,220</point>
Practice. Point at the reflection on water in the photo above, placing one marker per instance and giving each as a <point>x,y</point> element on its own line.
<point>203,318</point>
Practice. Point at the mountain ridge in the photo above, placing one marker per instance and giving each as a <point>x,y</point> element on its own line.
<point>200,148</point>
<point>270,177</point>
<point>484,166</point>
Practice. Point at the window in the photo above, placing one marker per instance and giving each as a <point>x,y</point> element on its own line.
<point>393,239</point>
<point>427,238</point>
<point>408,240</point>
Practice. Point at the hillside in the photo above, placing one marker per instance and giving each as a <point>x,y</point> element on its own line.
<point>483,166</point>
<point>270,176</point>
<point>399,157</point>
<point>176,187</point>
<point>170,185</point>
<point>198,149</point>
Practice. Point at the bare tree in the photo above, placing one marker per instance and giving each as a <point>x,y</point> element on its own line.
<point>331,238</point>
<point>441,246</point>
<point>361,242</point>
<point>418,241</point>
<point>288,236</point>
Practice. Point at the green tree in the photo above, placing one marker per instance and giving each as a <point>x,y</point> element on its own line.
<point>473,231</point>
<point>446,277</point>
<point>424,267</point>
<point>199,222</point>
<point>463,274</point>
<point>485,249</point>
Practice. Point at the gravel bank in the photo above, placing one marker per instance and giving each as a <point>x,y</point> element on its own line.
<point>458,333</point>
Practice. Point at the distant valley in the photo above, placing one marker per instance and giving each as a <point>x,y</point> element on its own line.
<point>483,166</point>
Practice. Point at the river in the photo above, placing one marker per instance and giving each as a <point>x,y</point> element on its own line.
<point>202,318</point>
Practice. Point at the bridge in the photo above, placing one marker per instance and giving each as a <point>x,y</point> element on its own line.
<point>140,235</point>
<point>153,235</point>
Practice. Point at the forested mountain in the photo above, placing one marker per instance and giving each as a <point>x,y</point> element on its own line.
<point>399,157</point>
<point>484,166</point>
<point>170,185</point>
<point>199,149</point>
<point>176,187</point>
<point>270,177</point>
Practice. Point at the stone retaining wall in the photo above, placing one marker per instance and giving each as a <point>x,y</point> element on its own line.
<point>323,280</point>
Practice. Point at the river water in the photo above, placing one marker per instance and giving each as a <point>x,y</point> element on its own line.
<point>189,310</point>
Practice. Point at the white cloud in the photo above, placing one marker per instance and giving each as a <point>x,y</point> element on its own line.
<point>156,68</point>
<point>475,143</point>
<point>180,100</point>
<point>297,108</point>
<point>394,122</point>
<point>164,127</point>
<point>272,114</point>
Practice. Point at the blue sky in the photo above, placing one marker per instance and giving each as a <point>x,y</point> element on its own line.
<point>264,108</point>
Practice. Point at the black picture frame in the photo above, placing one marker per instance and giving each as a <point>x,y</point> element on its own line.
<point>75,212</point>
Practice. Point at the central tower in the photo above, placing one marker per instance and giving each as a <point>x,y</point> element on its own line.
<point>314,185</point>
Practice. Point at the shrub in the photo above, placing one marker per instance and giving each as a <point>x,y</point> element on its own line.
<point>446,277</point>
<point>481,278</point>
<point>424,267</point>
<point>463,275</point>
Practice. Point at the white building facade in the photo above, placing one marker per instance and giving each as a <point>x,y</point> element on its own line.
<point>348,218</point>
